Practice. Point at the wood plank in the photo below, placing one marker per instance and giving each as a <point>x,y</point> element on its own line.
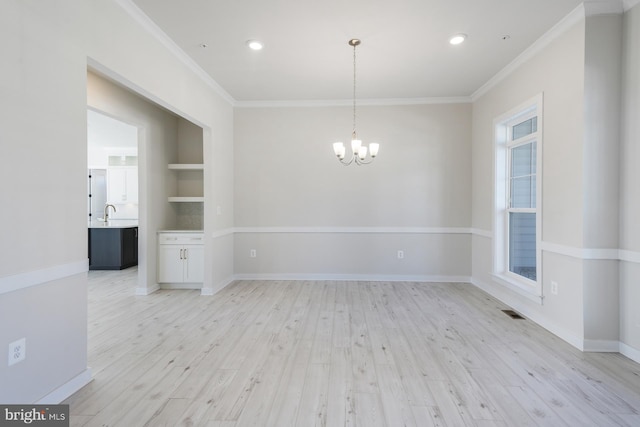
<point>336,353</point>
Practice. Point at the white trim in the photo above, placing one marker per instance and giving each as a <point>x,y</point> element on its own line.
<point>532,315</point>
<point>603,254</point>
<point>222,233</point>
<point>353,277</point>
<point>61,393</point>
<point>356,230</point>
<point>601,346</point>
<point>629,256</point>
<point>600,7</point>
<point>518,287</point>
<point>206,292</point>
<point>556,31</point>
<point>482,233</point>
<point>38,277</point>
<point>349,102</point>
<point>630,352</point>
<point>145,22</point>
<point>628,4</point>
<point>142,291</point>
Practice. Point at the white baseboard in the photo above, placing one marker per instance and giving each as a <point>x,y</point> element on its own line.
<point>148,290</point>
<point>630,352</point>
<point>354,277</point>
<point>67,389</point>
<point>542,321</point>
<point>181,286</point>
<point>601,346</point>
<point>221,285</point>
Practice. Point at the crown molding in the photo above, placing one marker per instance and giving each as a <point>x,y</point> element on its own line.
<point>141,18</point>
<point>603,7</point>
<point>349,102</point>
<point>556,31</point>
<point>628,4</point>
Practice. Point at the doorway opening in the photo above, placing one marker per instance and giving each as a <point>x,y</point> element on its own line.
<point>112,192</point>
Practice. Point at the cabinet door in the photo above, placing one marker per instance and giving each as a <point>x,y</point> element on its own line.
<point>170,264</point>
<point>122,185</point>
<point>131,185</point>
<point>129,247</point>
<point>194,264</point>
<point>116,185</point>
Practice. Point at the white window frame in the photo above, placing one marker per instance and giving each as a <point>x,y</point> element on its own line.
<point>503,124</point>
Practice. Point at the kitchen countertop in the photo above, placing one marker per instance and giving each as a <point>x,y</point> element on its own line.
<point>114,223</point>
<point>180,231</point>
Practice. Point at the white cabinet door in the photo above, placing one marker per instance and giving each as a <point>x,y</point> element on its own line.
<point>122,185</point>
<point>131,185</point>
<point>116,185</point>
<point>194,264</point>
<point>170,264</point>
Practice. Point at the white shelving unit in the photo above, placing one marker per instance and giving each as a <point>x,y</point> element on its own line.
<point>183,169</point>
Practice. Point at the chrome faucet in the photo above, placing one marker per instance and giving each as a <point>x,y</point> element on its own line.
<point>106,211</point>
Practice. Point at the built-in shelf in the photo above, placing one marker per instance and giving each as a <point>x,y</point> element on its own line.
<point>178,199</point>
<point>186,166</point>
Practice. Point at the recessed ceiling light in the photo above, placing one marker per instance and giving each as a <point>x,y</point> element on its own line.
<point>457,39</point>
<point>254,44</point>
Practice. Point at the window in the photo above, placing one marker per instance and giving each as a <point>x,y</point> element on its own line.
<point>517,219</point>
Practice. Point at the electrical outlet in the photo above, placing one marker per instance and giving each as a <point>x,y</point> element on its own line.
<point>400,254</point>
<point>17,351</point>
<point>554,287</point>
<point>253,253</point>
<point>219,210</point>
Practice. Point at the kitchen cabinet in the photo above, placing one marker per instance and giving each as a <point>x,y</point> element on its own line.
<point>122,185</point>
<point>113,248</point>
<point>180,257</point>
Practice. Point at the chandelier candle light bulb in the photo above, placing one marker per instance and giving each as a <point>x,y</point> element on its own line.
<point>358,151</point>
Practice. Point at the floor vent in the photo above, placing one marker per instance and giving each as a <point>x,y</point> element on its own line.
<point>512,314</point>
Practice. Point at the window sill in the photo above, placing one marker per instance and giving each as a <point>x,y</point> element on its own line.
<point>531,292</point>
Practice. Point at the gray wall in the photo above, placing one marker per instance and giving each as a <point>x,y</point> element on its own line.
<point>309,216</point>
<point>557,71</point>
<point>590,236</point>
<point>43,225</point>
<point>43,116</point>
<point>629,188</point>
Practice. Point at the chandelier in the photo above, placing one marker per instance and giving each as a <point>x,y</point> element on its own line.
<point>358,151</point>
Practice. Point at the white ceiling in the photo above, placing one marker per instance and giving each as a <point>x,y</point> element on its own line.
<point>404,52</point>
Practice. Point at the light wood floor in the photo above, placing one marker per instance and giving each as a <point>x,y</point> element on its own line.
<point>337,354</point>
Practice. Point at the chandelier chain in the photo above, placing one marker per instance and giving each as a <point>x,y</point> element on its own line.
<point>354,91</point>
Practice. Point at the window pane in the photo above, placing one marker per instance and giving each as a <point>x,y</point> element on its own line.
<point>521,196</point>
<point>523,176</point>
<point>522,244</point>
<point>523,160</point>
<point>525,128</point>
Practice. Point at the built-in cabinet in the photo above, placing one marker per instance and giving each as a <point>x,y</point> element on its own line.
<point>181,249</point>
<point>190,182</point>
<point>180,257</point>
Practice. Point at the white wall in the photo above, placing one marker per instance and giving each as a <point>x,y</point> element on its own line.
<point>587,176</point>
<point>629,188</point>
<point>43,178</point>
<point>557,71</point>
<point>342,222</point>
<point>43,116</point>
